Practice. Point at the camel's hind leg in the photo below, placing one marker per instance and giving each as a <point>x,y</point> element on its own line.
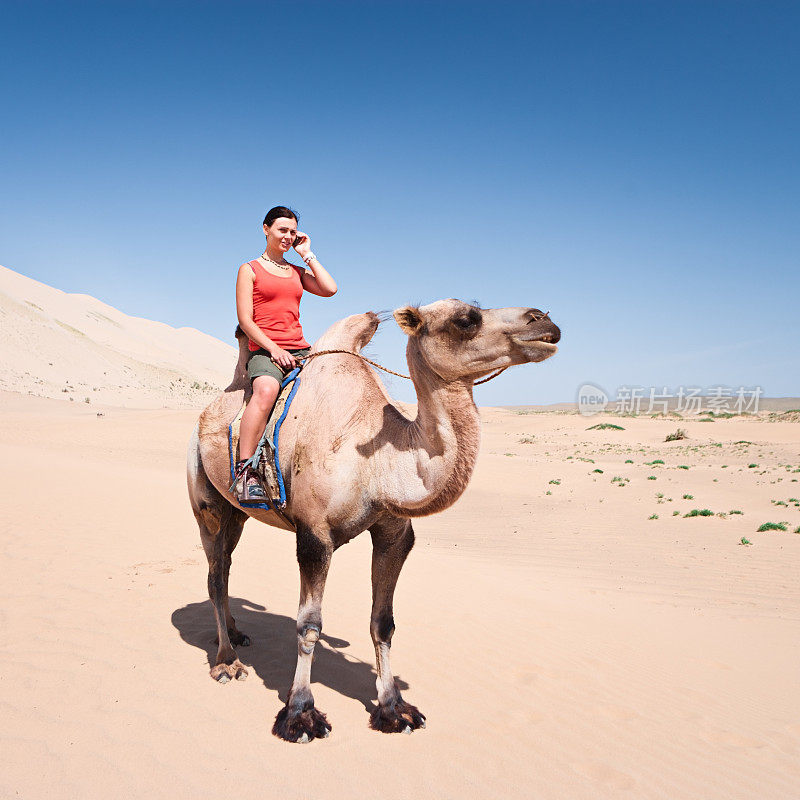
<point>299,720</point>
<point>220,526</point>
<point>391,543</point>
<point>219,544</point>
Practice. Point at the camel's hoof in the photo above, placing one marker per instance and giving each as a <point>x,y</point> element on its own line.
<point>399,717</point>
<point>223,673</point>
<point>301,727</point>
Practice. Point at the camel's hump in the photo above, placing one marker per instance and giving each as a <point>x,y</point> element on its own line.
<point>351,333</point>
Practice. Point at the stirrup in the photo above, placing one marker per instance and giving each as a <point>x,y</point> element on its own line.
<point>248,485</point>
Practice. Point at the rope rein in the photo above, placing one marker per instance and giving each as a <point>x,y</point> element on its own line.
<point>385,369</point>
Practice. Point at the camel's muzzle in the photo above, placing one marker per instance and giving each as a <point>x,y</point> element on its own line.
<point>539,328</point>
<point>539,337</point>
<point>550,337</point>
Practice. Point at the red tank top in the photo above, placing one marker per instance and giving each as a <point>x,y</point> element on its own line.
<point>276,307</point>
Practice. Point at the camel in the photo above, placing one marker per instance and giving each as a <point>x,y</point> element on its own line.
<point>353,461</point>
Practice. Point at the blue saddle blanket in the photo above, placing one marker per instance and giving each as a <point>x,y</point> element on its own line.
<point>265,459</point>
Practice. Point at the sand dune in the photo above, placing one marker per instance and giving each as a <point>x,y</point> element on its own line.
<point>54,344</point>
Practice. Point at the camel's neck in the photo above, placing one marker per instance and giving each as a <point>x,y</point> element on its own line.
<point>437,455</point>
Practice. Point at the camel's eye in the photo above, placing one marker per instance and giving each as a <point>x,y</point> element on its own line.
<point>468,323</point>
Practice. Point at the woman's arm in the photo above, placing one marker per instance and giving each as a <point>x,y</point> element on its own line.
<point>244,312</point>
<point>319,282</point>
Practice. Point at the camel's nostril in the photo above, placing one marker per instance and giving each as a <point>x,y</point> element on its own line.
<point>536,315</point>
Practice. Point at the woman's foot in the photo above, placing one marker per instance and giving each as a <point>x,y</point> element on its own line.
<point>249,488</point>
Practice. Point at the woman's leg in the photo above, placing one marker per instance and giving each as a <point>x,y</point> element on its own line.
<point>254,419</point>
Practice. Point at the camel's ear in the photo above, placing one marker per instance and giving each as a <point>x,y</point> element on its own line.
<point>409,320</point>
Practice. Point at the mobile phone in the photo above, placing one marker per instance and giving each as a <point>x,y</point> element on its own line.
<point>297,239</point>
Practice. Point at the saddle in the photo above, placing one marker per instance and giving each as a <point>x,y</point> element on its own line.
<point>265,459</point>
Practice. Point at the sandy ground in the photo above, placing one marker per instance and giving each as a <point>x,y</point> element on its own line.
<point>561,643</point>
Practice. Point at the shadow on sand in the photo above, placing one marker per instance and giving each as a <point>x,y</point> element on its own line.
<point>272,653</point>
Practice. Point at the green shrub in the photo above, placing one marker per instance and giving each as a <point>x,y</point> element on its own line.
<point>771,526</point>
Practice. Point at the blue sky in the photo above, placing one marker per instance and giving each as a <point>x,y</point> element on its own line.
<point>631,166</point>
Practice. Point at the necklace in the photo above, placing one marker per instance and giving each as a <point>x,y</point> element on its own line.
<point>284,267</point>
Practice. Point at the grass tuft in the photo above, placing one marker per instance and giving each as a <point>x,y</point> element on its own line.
<point>771,526</point>
<point>678,434</point>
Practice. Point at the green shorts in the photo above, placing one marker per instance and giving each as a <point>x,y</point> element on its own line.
<point>260,364</point>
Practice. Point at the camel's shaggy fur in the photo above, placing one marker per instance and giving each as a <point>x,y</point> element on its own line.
<point>353,461</point>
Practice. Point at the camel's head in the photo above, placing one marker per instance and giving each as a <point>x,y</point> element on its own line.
<point>459,340</point>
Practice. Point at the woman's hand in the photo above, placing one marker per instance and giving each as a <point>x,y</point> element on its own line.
<point>303,244</point>
<point>283,358</point>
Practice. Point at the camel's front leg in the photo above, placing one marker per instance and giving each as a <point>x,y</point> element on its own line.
<point>391,543</point>
<point>298,720</point>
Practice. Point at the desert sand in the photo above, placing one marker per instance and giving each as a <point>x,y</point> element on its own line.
<point>561,643</point>
<point>75,347</point>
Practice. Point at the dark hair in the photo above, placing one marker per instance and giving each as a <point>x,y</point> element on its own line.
<point>279,211</point>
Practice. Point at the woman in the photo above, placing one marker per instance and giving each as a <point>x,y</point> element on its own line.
<point>268,292</point>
